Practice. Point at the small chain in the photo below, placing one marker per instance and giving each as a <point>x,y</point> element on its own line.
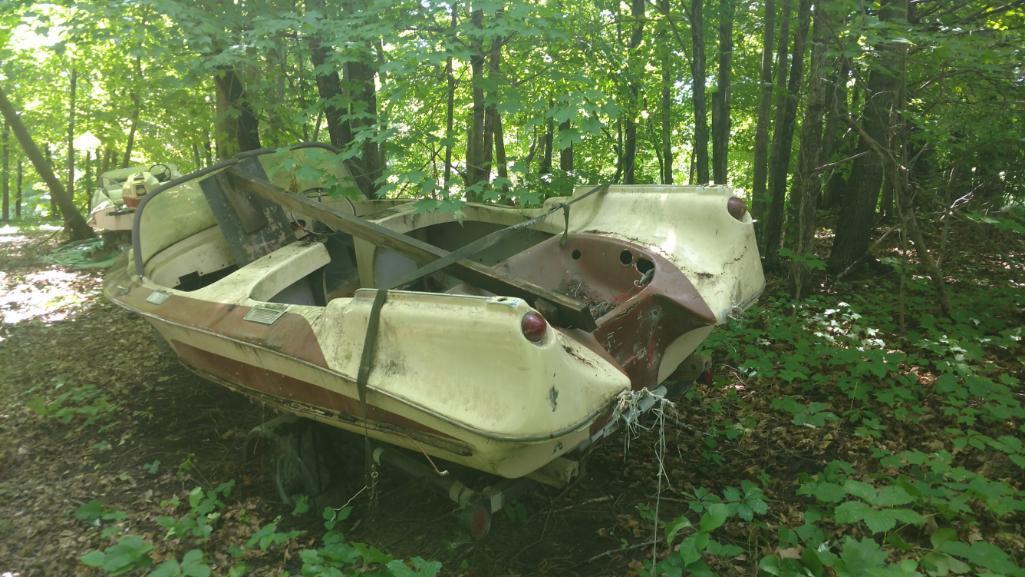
<point>373,486</point>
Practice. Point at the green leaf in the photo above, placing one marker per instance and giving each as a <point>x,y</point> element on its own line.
<point>880,521</point>
<point>690,552</point>
<point>893,495</point>
<point>714,517</point>
<point>850,512</point>
<point>169,568</point>
<point>860,489</point>
<point>992,557</point>
<point>93,559</point>
<point>193,565</point>
<point>859,558</point>
<point>677,525</point>
<point>89,512</point>
<point>941,536</point>
<point>829,492</point>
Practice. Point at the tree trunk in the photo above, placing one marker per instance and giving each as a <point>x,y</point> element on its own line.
<point>5,172</point>
<point>136,111</point>
<point>451,100</point>
<point>697,67</point>
<point>73,221</point>
<point>854,224</point>
<point>546,152</point>
<point>635,72</point>
<point>721,98</point>
<point>783,140</point>
<point>17,188</point>
<point>88,181</point>
<point>475,132</point>
<point>329,88</point>
<point>807,183</point>
<point>364,105</point>
<point>833,138</point>
<point>501,163</point>
<point>779,94</point>
<point>71,135</point>
<point>666,176</point>
<point>566,153</point>
<point>49,163</point>
<point>761,154</point>
<point>241,123</point>
<point>492,121</point>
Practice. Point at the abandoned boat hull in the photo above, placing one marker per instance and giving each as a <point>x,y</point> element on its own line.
<point>273,304</point>
<point>283,365</point>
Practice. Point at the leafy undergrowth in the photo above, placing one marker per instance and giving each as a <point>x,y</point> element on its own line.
<point>870,449</point>
<point>833,442</point>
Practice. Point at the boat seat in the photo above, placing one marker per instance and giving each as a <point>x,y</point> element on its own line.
<point>267,276</point>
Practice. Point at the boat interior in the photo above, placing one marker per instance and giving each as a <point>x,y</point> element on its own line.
<point>196,233</point>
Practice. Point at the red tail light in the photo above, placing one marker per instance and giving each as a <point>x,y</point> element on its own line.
<point>736,208</point>
<point>533,326</point>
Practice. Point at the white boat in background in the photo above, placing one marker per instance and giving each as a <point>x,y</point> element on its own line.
<point>120,191</point>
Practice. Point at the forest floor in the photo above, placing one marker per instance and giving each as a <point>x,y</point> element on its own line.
<point>859,433</point>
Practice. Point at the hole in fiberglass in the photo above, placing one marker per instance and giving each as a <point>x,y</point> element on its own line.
<point>644,265</point>
<point>576,254</point>
<point>626,257</point>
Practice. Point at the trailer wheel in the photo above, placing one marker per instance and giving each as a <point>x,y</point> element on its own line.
<point>476,518</point>
<point>284,447</point>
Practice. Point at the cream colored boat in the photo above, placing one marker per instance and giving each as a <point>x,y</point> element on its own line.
<point>503,359</point>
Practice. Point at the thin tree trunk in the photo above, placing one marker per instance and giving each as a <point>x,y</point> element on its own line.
<point>698,75</point>
<point>546,152</point>
<point>133,123</point>
<point>73,220</point>
<point>783,140</point>
<point>108,156</point>
<point>759,198</point>
<point>666,176</point>
<point>451,100</point>
<point>833,138</point>
<point>17,188</point>
<point>806,187</point>
<point>635,72</point>
<point>492,122</point>
<point>5,172</point>
<point>475,133</point>
<point>721,98</point>
<point>197,160</point>
<point>566,153</point>
<point>71,134</point>
<point>49,164</point>
<point>501,162</point>
<point>854,224</point>
<point>88,181</point>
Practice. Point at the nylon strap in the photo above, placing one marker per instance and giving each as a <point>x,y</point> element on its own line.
<point>472,249</point>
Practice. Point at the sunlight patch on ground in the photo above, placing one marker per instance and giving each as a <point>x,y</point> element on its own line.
<point>49,295</point>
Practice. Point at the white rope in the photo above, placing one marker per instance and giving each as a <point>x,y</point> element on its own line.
<point>629,407</point>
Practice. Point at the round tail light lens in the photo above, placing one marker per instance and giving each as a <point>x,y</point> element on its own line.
<point>533,326</point>
<point>736,207</point>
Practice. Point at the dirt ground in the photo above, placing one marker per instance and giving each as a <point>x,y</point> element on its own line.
<point>58,335</point>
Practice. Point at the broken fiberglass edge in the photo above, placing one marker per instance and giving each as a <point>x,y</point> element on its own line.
<point>504,360</point>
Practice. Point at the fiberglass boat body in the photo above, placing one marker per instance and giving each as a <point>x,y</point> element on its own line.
<point>503,360</point>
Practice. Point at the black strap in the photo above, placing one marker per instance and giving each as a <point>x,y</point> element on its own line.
<point>485,242</point>
<point>363,377</point>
